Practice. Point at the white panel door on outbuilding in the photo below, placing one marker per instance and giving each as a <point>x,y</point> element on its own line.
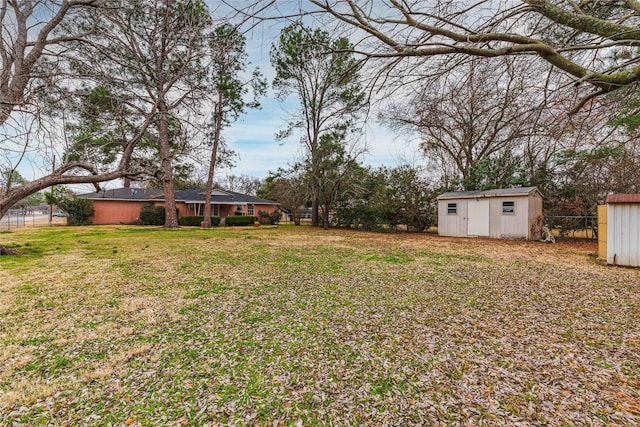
<point>478,217</point>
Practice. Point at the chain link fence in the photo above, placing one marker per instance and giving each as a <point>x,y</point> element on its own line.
<point>15,219</point>
<point>579,226</point>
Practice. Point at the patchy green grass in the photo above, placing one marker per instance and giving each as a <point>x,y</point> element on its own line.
<point>295,326</point>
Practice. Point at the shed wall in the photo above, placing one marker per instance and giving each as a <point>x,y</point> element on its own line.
<point>452,225</point>
<point>501,226</point>
<point>535,211</point>
<point>510,226</point>
<point>602,231</point>
<point>623,234</point>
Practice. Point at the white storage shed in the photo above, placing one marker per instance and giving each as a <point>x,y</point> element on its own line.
<point>507,213</point>
<point>623,229</point>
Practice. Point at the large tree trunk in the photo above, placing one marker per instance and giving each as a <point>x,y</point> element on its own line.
<point>325,217</point>
<point>171,216</point>
<point>315,187</point>
<point>315,212</point>
<point>212,163</point>
<point>209,189</point>
<point>315,201</point>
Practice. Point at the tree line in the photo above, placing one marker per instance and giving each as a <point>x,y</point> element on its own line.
<point>537,93</point>
<point>118,89</point>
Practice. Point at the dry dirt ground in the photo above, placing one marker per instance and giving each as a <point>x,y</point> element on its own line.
<point>295,326</point>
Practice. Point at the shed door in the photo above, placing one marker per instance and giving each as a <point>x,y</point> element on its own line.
<point>478,218</point>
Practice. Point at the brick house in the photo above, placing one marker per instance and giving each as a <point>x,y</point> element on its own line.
<point>122,205</point>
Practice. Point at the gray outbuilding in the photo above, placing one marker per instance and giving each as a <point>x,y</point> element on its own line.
<point>506,213</point>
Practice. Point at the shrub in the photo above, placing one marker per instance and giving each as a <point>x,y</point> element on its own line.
<point>275,217</point>
<point>360,216</point>
<point>152,215</point>
<point>240,220</point>
<point>190,220</point>
<point>196,220</point>
<point>269,218</point>
<point>79,209</point>
<point>264,217</point>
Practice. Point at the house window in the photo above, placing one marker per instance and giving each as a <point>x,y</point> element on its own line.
<point>508,208</point>
<point>239,209</point>
<point>216,210</point>
<point>250,210</point>
<point>452,208</point>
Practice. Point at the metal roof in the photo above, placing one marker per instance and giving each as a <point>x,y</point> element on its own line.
<point>498,192</point>
<point>187,196</point>
<point>623,198</point>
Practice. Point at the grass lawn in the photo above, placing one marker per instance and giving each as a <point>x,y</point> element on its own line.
<point>295,326</point>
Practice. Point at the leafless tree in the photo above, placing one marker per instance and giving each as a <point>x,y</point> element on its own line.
<point>25,39</point>
<point>477,110</point>
<point>594,42</point>
<point>241,184</point>
<point>291,192</point>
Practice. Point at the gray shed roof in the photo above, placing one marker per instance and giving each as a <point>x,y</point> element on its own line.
<point>188,196</point>
<point>498,192</point>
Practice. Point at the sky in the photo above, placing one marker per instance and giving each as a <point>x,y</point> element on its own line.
<point>252,137</point>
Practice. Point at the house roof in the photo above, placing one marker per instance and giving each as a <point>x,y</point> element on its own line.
<point>187,196</point>
<point>220,197</point>
<point>623,198</point>
<point>133,194</point>
<point>498,192</point>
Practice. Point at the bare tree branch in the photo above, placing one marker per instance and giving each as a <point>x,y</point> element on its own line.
<point>418,29</point>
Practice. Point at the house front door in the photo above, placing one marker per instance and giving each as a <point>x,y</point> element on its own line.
<point>478,218</point>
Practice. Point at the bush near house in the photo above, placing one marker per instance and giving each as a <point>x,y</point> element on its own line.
<point>79,210</point>
<point>152,215</point>
<point>237,220</point>
<point>270,218</point>
<point>196,220</point>
<point>275,217</point>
